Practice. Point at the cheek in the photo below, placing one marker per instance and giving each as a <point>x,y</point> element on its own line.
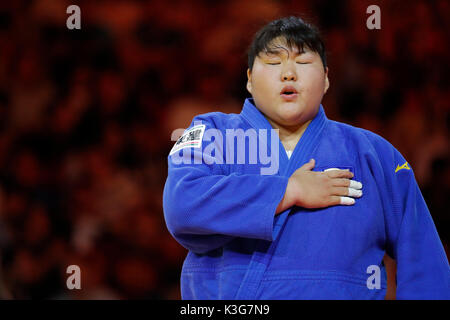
<point>263,79</point>
<point>313,80</point>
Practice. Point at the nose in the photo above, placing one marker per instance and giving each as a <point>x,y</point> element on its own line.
<point>288,74</point>
<point>289,77</point>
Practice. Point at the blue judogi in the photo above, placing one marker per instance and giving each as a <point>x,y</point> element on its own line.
<point>224,215</point>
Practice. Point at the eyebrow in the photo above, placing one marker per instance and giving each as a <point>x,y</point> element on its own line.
<point>278,52</point>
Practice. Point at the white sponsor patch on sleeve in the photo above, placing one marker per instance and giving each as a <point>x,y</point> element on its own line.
<point>192,138</point>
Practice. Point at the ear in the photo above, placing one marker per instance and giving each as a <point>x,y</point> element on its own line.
<point>327,82</point>
<point>249,81</point>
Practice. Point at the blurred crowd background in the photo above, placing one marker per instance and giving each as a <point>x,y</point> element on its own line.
<point>86,118</point>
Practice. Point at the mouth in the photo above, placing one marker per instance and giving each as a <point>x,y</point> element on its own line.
<point>289,93</point>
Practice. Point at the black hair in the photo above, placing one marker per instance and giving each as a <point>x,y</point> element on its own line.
<point>294,30</point>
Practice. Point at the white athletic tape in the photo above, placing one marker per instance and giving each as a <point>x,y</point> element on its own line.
<point>355,184</point>
<point>354,193</point>
<point>347,201</point>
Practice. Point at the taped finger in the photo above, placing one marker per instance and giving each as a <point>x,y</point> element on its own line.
<point>355,184</point>
<point>354,193</point>
<point>347,201</point>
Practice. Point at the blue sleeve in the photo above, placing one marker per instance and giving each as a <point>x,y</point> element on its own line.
<point>412,240</point>
<point>205,207</point>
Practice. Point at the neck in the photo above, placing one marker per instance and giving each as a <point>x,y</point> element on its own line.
<point>290,135</point>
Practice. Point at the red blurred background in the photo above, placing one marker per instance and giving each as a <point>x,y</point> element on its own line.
<point>86,118</point>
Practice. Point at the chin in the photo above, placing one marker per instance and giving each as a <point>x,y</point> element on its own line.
<point>289,116</point>
<point>294,114</point>
<point>289,121</point>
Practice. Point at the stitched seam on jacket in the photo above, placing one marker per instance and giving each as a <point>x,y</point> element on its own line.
<point>320,278</point>
<point>312,273</point>
<point>213,269</point>
<point>318,275</point>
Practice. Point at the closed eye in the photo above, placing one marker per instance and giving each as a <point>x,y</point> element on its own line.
<point>303,62</point>
<point>273,63</point>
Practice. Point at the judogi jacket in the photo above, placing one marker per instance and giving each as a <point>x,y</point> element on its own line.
<point>223,211</point>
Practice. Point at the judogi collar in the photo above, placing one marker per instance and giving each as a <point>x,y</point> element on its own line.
<point>304,148</point>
